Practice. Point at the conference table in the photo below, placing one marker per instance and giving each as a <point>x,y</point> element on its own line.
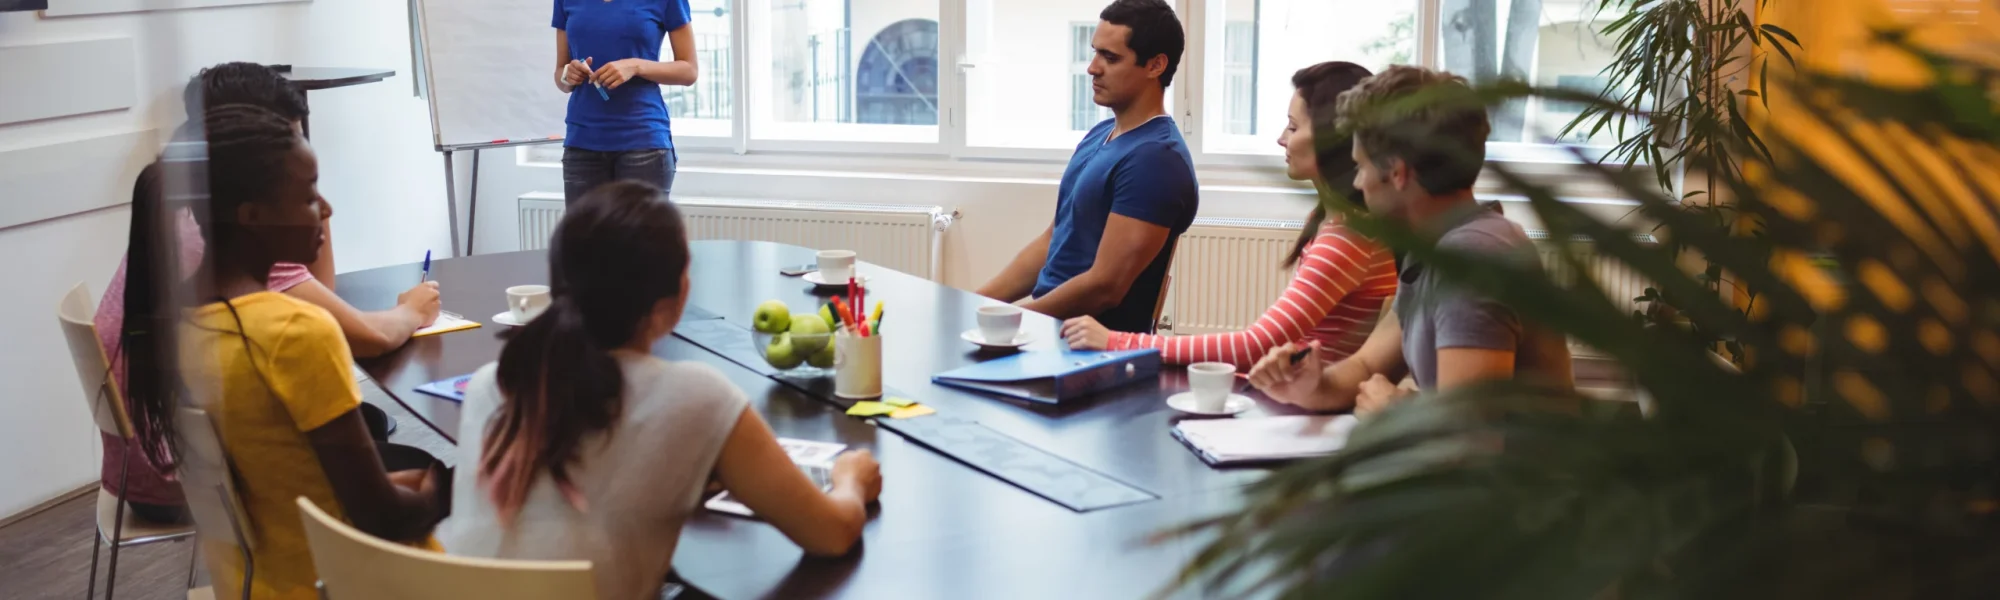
<point>942,528</point>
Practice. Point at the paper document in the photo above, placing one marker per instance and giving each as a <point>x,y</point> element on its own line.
<point>815,458</point>
<point>446,322</point>
<point>1264,439</point>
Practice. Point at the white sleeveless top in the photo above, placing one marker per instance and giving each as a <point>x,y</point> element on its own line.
<point>641,479</point>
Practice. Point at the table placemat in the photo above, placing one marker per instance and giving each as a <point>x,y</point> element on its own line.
<point>1013,461</point>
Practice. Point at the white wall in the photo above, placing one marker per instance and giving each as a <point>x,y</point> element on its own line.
<point>376,166</point>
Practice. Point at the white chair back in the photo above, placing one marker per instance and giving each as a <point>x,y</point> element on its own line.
<point>208,483</point>
<point>353,566</point>
<point>77,315</point>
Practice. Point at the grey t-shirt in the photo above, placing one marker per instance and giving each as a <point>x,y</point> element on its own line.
<point>1437,315</point>
<point>640,480</point>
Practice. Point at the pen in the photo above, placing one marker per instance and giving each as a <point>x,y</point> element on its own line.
<point>1301,355</point>
<point>427,267</point>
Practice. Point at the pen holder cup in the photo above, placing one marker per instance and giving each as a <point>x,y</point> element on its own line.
<point>857,365</point>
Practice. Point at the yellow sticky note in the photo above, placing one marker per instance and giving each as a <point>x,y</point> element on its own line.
<point>898,402</point>
<point>914,410</point>
<point>869,408</point>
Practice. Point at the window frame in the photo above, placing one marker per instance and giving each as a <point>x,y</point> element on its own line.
<point>952,153</point>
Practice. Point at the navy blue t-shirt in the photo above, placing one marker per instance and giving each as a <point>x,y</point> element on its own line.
<point>635,118</point>
<point>1145,174</point>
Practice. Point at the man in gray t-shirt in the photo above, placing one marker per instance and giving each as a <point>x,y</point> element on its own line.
<point>1418,167</point>
<point>1436,315</point>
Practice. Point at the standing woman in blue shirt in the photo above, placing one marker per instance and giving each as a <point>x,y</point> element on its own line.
<point>614,45</point>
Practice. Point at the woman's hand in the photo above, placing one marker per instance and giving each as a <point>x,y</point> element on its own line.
<point>1285,381</point>
<point>617,72</point>
<point>1085,333</point>
<point>857,471</point>
<point>573,74</point>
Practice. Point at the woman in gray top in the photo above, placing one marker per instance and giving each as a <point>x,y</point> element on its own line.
<point>580,445</point>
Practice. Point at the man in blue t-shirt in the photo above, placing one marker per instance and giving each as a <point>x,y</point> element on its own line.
<point>1129,191</point>
<point>608,61</point>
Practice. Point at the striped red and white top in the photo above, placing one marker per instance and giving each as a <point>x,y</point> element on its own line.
<point>1342,284</point>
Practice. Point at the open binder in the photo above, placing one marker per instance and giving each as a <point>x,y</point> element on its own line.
<point>1052,377</point>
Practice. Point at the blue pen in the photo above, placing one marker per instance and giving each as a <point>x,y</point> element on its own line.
<point>427,267</point>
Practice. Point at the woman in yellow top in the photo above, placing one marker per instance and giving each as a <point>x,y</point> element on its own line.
<point>271,370</point>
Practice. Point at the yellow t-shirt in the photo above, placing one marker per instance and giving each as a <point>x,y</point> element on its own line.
<point>293,377</point>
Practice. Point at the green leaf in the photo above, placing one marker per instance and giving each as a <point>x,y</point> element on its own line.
<point>1782,51</point>
<point>1780,32</point>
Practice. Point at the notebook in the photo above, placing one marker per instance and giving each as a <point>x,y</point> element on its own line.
<point>452,389</point>
<point>446,322</point>
<point>815,458</point>
<point>1222,442</point>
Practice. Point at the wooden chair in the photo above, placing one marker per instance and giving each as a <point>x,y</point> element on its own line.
<point>210,487</point>
<point>353,566</point>
<point>116,527</point>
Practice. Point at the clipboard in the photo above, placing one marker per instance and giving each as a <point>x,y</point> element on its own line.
<point>1051,377</point>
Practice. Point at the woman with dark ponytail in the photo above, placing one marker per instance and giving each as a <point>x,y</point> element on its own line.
<point>272,371</point>
<point>579,444</point>
<point>1342,281</point>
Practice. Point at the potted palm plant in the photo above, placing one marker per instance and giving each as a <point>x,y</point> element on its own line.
<point>1743,482</point>
<point>1696,68</point>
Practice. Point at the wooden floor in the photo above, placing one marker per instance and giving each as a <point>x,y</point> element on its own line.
<point>47,555</point>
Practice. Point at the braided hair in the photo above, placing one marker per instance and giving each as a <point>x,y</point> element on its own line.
<point>242,161</point>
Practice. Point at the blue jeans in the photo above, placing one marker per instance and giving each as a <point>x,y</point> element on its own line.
<point>584,170</point>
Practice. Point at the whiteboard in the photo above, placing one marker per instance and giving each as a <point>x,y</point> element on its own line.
<point>490,69</point>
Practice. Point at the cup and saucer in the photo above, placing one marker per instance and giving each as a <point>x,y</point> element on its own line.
<point>999,329</point>
<point>524,303</point>
<point>1213,393</point>
<point>835,267</point>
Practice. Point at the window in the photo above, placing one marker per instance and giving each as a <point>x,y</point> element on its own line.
<point>845,70</point>
<point>1084,113</point>
<point>1239,76</point>
<point>1254,46</point>
<point>1561,45</point>
<point>706,108</point>
<point>1008,80</point>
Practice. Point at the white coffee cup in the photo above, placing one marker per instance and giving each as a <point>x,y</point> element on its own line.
<point>1212,382</point>
<point>525,302</point>
<point>836,266</point>
<point>999,324</point>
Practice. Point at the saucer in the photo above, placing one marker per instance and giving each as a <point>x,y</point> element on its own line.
<point>1021,338</point>
<point>506,318</point>
<point>816,279</point>
<point>1236,403</point>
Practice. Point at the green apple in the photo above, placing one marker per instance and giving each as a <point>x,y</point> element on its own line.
<point>781,354</point>
<point>822,359</point>
<point>772,317</point>
<point>826,314</point>
<point>809,334</point>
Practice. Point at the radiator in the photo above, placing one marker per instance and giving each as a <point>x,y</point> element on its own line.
<point>901,237</point>
<point>1226,272</point>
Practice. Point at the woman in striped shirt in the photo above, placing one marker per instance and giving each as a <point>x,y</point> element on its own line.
<point>1343,280</point>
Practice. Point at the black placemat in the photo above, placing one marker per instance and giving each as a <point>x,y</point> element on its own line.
<point>1013,461</point>
<point>696,313</point>
<point>727,340</point>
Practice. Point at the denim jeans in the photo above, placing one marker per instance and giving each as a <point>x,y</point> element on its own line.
<point>584,170</point>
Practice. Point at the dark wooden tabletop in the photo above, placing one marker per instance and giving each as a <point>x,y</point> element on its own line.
<point>323,78</point>
<point>943,529</point>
